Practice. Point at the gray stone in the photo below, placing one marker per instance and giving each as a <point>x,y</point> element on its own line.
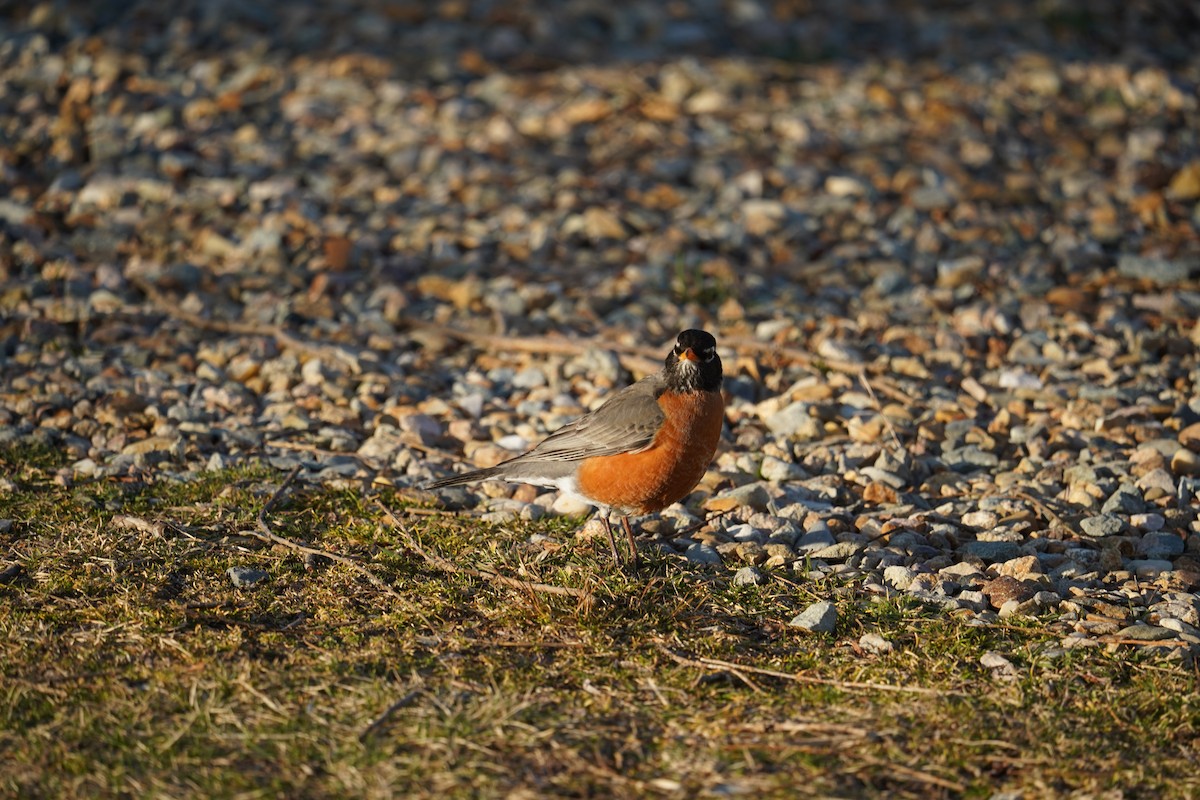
<point>928,198</point>
<point>898,576</point>
<point>597,364</point>
<point>1160,545</point>
<point>1158,480</point>
<point>1125,500</point>
<point>792,420</point>
<point>1047,599</point>
<point>982,520</point>
<point>86,467</point>
<point>747,576</point>
<point>243,577</point>
<point>1149,567</point>
<point>776,469</point>
<point>1021,434</point>
<point>746,533</point>
<point>569,505</point>
<point>991,552</point>
<point>884,476</point>
<point>700,553</point>
<point>1147,522</point>
<point>1017,608</point>
<point>818,618</point>
<point>472,404</point>
<point>836,350</point>
<point>965,459</point>
<point>529,378</point>
<point>875,644</point>
<point>1162,271</point>
<point>1079,474</point>
<point>1182,606</point>
<point>1102,525</point>
<point>961,570</point>
<point>974,600</point>
<point>533,512</point>
<point>816,539</point>
<point>752,495</point>
<point>1077,640</point>
<point>838,551</point>
<point>1149,633</point>
<point>1179,626</point>
<point>1000,666</point>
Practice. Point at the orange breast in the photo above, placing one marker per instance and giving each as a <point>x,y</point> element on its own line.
<point>663,474</point>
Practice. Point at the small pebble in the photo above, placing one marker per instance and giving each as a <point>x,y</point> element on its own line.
<point>747,576</point>
<point>817,618</point>
<point>875,644</point>
<point>1148,633</point>
<point>1103,525</point>
<point>999,665</point>
<point>751,495</point>
<point>991,551</point>
<point>1160,545</point>
<point>699,553</point>
<point>243,577</point>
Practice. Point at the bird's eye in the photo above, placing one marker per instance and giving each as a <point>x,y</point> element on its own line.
<point>709,354</point>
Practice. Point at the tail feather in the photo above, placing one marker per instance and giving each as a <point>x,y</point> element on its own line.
<point>466,477</point>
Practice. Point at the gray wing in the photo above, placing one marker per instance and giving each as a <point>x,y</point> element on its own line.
<point>626,423</point>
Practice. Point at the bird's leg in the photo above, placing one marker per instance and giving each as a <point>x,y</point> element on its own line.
<point>612,543</point>
<point>633,553</point>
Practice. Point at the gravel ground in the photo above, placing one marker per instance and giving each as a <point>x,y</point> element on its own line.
<point>950,251</point>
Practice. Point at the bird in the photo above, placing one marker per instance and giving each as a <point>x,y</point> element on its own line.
<point>644,448</point>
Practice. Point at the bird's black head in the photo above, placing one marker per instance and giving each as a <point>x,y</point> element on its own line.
<point>693,364</point>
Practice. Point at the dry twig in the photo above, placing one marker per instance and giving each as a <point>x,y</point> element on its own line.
<point>716,665</point>
<point>266,534</point>
<point>282,337</point>
<point>634,359</point>
<point>792,355</point>
<point>379,722</point>
<point>918,776</point>
<point>445,565</point>
<point>1043,509</point>
<point>862,378</point>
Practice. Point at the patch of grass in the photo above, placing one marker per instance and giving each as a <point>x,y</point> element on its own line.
<point>29,458</point>
<point>130,665</point>
<point>707,285</point>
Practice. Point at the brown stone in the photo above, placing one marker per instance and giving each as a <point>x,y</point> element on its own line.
<point>1006,587</point>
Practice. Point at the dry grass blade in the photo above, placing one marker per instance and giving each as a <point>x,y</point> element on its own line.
<point>1047,513</point>
<point>265,533</point>
<point>862,378</point>
<point>281,336</point>
<point>382,719</point>
<point>137,524</point>
<point>634,359</point>
<point>445,565</point>
<point>918,776</point>
<point>716,664</point>
<point>791,355</point>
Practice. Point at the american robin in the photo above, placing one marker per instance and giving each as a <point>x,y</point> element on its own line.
<point>645,448</point>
